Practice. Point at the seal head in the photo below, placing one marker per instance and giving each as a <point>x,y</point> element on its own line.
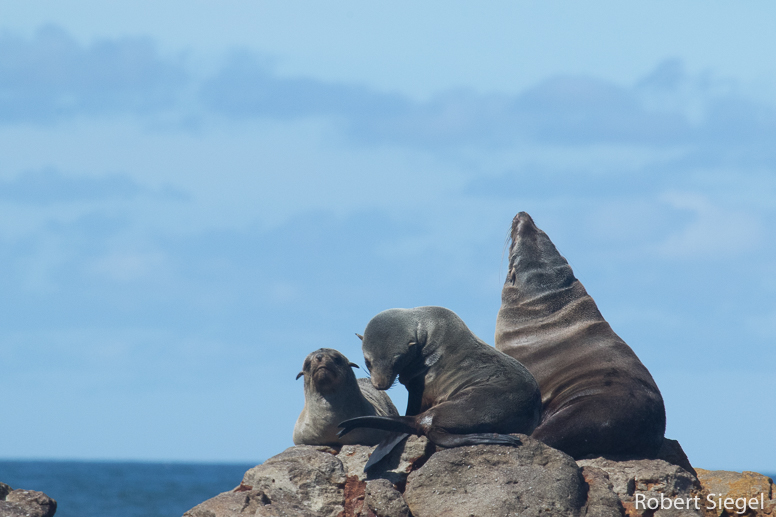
<point>332,394</point>
<point>397,349</point>
<point>326,370</point>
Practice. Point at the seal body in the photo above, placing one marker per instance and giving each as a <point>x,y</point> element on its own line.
<point>597,397</point>
<point>461,391</point>
<point>333,394</point>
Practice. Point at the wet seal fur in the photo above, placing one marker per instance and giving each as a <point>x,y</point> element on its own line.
<point>461,391</point>
<point>598,398</point>
<point>333,394</point>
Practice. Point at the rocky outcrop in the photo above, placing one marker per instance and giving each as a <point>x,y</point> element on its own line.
<point>733,493</point>
<point>322,481</point>
<point>25,503</point>
<point>420,480</point>
<point>645,487</point>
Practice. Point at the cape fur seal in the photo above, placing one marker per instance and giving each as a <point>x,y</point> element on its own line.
<point>333,394</point>
<point>461,390</point>
<point>598,398</point>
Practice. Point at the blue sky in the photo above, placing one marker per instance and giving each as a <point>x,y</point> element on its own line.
<point>195,196</point>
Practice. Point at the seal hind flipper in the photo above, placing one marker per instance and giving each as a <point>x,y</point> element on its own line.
<point>444,439</point>
<point>400,424</point>
<point>384,448</point>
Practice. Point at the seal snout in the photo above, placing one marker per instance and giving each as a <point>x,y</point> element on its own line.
<point>323,365</point>
<point>522,235</point>
<point>326,369</point>
<point>522,225</point>
<point>381,382</point>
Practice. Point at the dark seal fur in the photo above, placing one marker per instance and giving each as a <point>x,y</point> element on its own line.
<point>333,394</point>
<point>598,398</point>
<point>461,391</point>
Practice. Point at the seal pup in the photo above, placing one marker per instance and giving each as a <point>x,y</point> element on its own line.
<point>461,391</point>
<point>597,397</point>
<point>333,394</point>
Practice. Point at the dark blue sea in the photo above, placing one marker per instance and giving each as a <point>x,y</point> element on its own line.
<point>108,489</point>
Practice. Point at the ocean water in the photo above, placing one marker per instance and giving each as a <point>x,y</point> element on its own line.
<point>112,489</point>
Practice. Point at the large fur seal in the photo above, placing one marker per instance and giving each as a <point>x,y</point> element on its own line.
<point>461,390</point>
<point>598,398</point>
<point>333,394</point>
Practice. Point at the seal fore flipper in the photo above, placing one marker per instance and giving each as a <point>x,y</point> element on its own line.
<point>384,448</point>
<point>401,424</point>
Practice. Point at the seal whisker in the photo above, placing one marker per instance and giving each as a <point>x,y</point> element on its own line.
<point>507,246</point>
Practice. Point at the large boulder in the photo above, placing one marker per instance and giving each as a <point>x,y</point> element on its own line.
<point>25,503</point>
<point>532,479</point>
<point>306,481</point>
<point>644,488</point>
<point>304,474</point>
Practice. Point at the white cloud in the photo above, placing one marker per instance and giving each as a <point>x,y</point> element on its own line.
<point>763,325</point>
<point>713,233</point>
<point>129,266</point>
<point>52,76</point>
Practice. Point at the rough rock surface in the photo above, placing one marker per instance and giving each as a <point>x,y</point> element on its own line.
<point>322,481</point>
<point>313,479</point>
<point>383,500</point>
<point>639,481</point>
<point>417,479</point>
<point>738,487</point>
<point>601,499</point>
<point>25,503</point>
<point>230,503</point>
<point>532,479</point>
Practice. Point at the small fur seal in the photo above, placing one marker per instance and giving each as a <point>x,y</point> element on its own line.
<point>461,390</point>
<point>333,394</point>
<point>598,398</point>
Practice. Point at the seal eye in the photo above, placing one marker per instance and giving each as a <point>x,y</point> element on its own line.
<point>368,364</point>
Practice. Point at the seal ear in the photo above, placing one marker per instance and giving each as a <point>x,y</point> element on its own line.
<point>360,336</point>
<point>354,365</point>
<point>299,375</point>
